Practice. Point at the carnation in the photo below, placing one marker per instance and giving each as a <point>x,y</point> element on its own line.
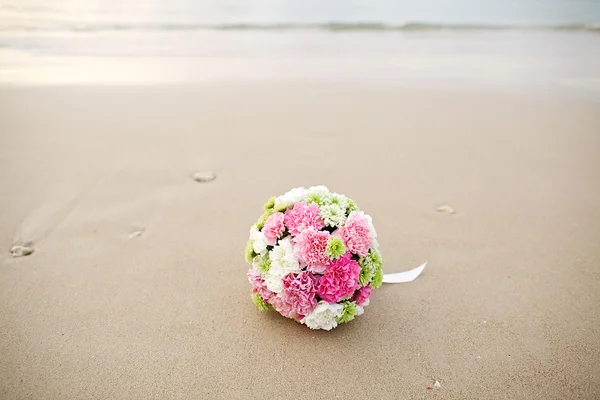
<point>311,248</point>
<point>259,241</point>
<point>303,216</point>
<point>341,281</point>
<point>324,316</point>
<point>358,233</point>
<point>299,291</point>
<point>273,228</point>
<point>290,198</point>
<point>283,262</point>
<point>361,296</point>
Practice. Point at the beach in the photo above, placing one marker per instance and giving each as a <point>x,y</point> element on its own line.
<point>137,287</point>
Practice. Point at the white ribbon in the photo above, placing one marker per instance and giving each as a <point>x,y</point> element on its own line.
<point>402,277</point>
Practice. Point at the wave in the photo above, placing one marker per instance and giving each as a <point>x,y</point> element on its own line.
<point>327,26</point>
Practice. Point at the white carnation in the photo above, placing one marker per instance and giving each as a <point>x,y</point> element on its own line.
<point>283,262</point>
<point>319,190</point>
<point>292,197</point>
<point>259,241</point>
<point>324,316</point>
<point>359,311</point>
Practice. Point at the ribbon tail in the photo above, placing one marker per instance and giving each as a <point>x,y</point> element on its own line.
<point>402,277</point>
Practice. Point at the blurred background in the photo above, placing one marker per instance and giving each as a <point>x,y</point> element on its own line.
<point>534,42</point>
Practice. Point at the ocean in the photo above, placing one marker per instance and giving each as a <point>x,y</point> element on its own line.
<point>534,41</point>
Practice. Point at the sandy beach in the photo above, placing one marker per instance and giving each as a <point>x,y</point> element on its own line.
<point>137,287</point>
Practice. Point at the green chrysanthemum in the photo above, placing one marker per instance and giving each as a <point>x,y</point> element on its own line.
<point>260,303</point>
<point>333,215</point>
<point>336,199</point>
<point>249,256</point>
<point>269,204</point>
<point>280,208</point>
<point>377,278</point>
<point>335,248</point>
<point>348,312</point>
<point>316,198</point>
<point>352,206</point>
<point>263,218</point>
<point>262,263</point>
<point>369,266</point>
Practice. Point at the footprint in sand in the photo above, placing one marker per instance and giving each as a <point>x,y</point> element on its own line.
<point>446,209</point>
<point>22,250</point>
<point>137,233</point>
<point>205,176</point>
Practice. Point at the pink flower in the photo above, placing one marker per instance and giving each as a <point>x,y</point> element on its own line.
<point>341,281</point>
<point>282,307</point>
<point>357,234</point>
<point>362,295</point>
<point>258,285</point>
<point>310,248</point>
<point>299,292</point>
<point>303,216</point>
<point>273,228</point>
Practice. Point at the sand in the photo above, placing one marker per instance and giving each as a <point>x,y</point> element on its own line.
<point>137,287</point>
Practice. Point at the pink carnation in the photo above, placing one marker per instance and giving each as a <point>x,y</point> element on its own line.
<point>258,285</point>
<point>303,216</point>
<point>341,281</point>
<point>273,228</point>
<point>299,292</point>
<point>310,248</point>
<point>282,307</point>
<point>362,295</point>
<point>356,234</point>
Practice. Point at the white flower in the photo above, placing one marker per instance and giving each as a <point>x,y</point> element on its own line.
<point>336,199</point>
<point>319,190</point>
<point>324,316</point>
<point>333,215</point>
<point>360,310</point>
<point>259,241</point>
<point>283,262</point>
<point>292,197</point>
<point>273,282</point>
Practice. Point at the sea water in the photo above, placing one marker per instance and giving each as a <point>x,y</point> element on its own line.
<point>542,42</point>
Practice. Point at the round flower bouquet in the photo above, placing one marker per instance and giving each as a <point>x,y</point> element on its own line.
<point>314,258</point>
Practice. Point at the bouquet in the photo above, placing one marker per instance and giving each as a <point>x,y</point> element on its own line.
<point>314,257</point>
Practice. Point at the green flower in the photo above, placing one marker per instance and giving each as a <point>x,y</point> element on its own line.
<point>315,197</point>
<point>369,265</point>
<point>263,218</point>
<point>348,312</point>
<point>249,252</point>
<point>336,199</point>
<point>260,303</point>
<point>377,278</point>
<point>281,208</point>
<point>262,263</point>
<point>352,206</point>
<point>269,204</point>
<point>333,215</point>
<point>335,248</point>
